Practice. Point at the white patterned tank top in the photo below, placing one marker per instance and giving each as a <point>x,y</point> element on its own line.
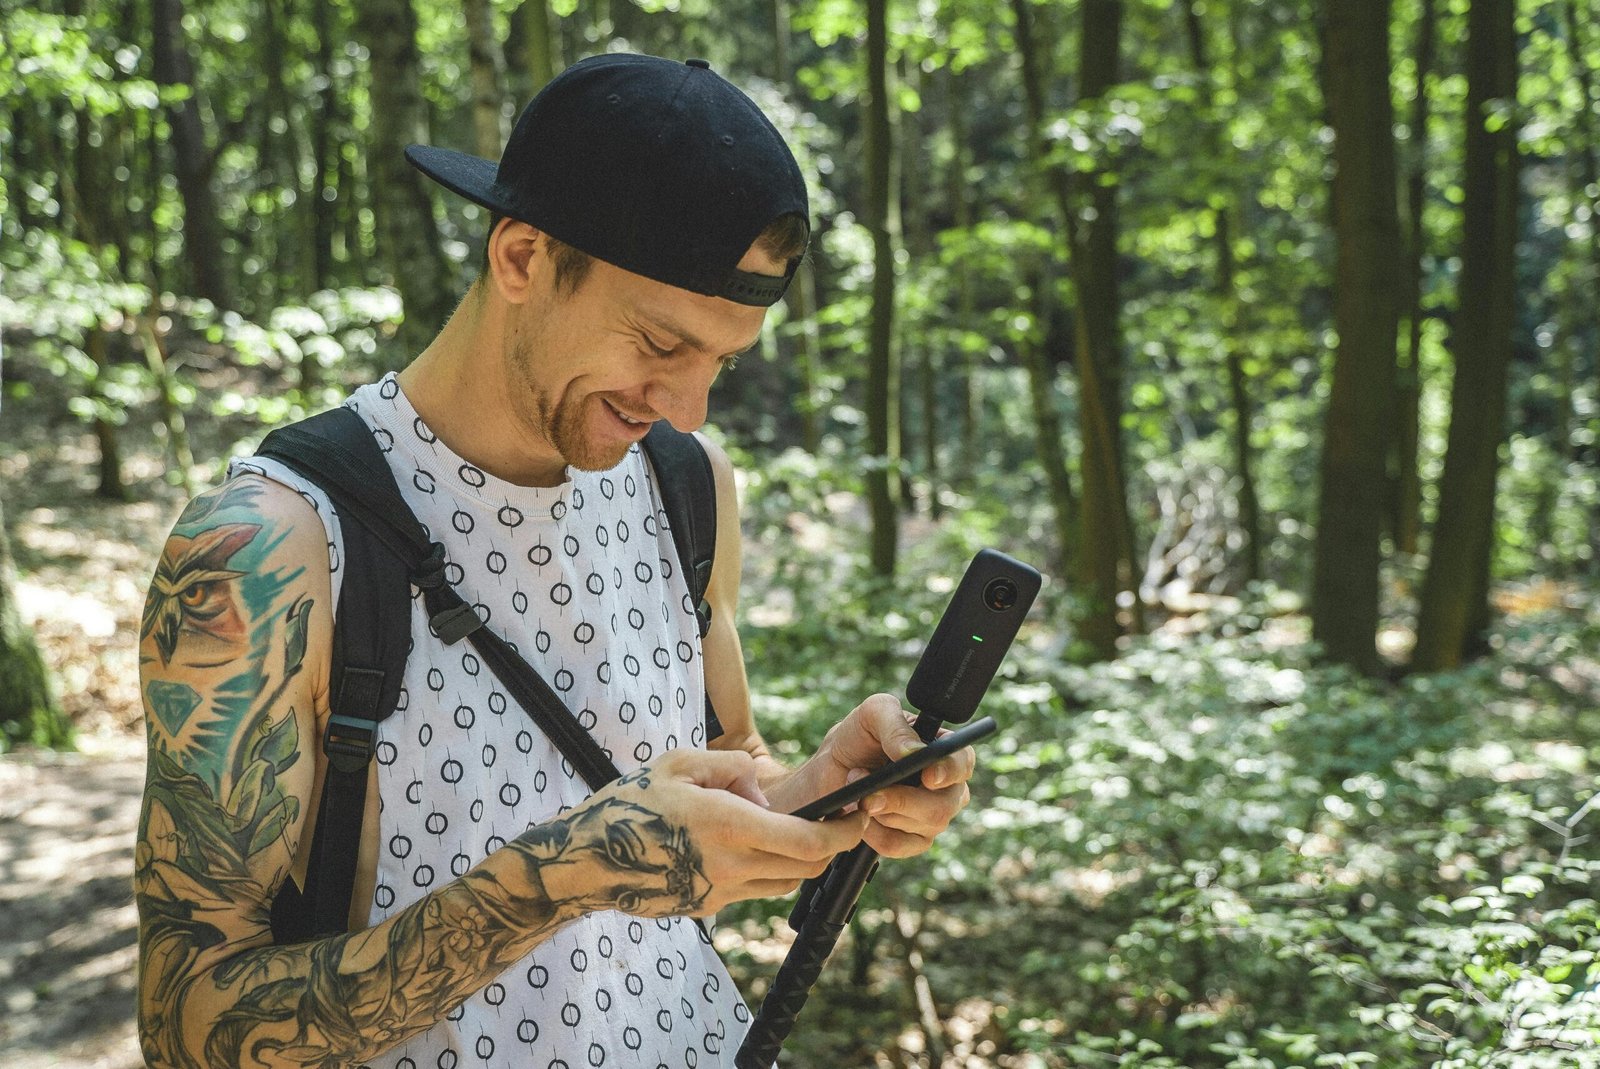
<point>583,579</point>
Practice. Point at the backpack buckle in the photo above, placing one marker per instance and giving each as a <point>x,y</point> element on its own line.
<point>350,742</point>
<point>455,623</point>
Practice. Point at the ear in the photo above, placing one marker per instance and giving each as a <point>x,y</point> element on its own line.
<point>516,259</point>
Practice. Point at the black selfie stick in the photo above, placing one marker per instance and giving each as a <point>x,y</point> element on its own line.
<point>960,660</point>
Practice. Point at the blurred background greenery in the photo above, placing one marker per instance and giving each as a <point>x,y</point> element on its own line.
<point>1269,330</point>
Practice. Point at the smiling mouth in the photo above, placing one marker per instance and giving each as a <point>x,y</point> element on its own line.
<point>629,420</point>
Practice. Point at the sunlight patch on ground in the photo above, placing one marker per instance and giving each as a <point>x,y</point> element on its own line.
<point>93,617</point>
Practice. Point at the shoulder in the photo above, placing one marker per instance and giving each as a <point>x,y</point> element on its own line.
<point>722,473</point>
<point>251,519</point>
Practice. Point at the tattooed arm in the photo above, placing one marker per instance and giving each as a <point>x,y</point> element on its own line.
<point>233,659</point>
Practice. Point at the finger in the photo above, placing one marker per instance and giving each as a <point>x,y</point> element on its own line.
<point>891,842</point>
<point>917,808</point>
<point>957,768</point>
<point>728,770</point>
<point>791,837</point>
<point>749,889</point>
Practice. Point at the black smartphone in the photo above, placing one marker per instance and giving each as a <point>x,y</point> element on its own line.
<point>896,771</point>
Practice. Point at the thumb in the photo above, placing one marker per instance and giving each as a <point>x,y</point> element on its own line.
<point>885,719</point>
<point>899,739</point>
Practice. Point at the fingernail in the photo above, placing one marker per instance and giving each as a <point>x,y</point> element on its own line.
<point>875,804</point>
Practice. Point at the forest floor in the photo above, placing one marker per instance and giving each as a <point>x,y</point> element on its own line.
<point>67,947</point>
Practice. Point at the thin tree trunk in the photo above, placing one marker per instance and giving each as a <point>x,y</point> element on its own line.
<point>283,150</point>
<point>408,235</point>
<point>967,386</point>
<point>324,217</point>
<point>29,712</point>
<point>803,290</point>
<point>1455,596</point>
<point>173,426</point>
<point>922,355</point>
<point>1228,298</point>
<point>533,49</point>
<point>110,486</point>
<point>202,230</point>
<point>488,66</point>
<point>1588,183</point>
<point>1344,599</point>
<point>88,215</point>
<point>883,373</point>
<point>1407,523</point>
<point>1050,441</point>
<point>1049,438</point>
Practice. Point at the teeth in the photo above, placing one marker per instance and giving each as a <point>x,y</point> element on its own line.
<point>624,417</point>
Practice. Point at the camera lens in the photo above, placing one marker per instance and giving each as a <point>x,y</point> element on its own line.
<point>1000,594</point>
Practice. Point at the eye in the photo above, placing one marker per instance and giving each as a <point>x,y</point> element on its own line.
<point>195,596</point>
<point>657,349</point>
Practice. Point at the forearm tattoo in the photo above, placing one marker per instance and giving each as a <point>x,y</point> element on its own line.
<point>224,634</point>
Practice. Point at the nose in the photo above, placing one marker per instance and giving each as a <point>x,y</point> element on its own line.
<point>680,396</point>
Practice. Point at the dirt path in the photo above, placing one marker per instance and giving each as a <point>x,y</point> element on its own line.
<point>67,950</point>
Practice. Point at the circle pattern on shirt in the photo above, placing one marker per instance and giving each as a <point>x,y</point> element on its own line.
<point>581,580</point>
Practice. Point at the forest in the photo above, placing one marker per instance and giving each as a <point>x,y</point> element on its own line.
<point>1269,330</point>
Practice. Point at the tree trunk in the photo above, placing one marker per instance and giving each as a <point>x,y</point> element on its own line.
<point>1344,599</point>
<point>967,376</point>
<point>324,217</point>
<point>282,150</point>
<point>803,290</point>
<point>1407,522</point>
<point>111,486</point>
<point>1228,300</point>
<point>29,711</point>
<point>1588,185</point>
<point>1041,361</point>
<point>173,426</point>
<point>1104,548</point>
<point>89,212</point>
<point>1049,438</point>
<point>921,354</point>
<point>532,50</point>
<point>883,372</point>
<point>1455,596</point>
<point>202,230</point>
<point>408,235</point>
<point>488,65</point>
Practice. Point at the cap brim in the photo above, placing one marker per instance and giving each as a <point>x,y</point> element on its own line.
<point>471,176</point>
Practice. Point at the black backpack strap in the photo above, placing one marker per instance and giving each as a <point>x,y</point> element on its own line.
<point>689,496</point>
<point>371,636</point>
<point>336,451</point>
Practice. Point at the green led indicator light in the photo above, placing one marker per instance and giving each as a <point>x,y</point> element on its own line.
<point>977,638</point>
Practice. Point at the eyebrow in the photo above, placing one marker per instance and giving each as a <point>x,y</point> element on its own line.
<point>688,337</point>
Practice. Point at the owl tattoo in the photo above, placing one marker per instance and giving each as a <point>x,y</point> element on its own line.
<point>192,588</point>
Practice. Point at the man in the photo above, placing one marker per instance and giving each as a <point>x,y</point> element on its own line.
<point>503,915</point>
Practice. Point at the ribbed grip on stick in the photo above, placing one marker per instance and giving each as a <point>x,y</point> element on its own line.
<point>790,987</point>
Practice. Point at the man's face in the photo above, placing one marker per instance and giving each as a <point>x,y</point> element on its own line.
<point>593,368</point>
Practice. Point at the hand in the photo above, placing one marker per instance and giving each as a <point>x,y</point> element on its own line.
<point>687,835</point>
<point>906,817</point>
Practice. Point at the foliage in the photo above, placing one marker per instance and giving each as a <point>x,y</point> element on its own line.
<point>1216,852</point>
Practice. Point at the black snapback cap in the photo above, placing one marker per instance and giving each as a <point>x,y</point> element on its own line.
<point>661,168</point>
